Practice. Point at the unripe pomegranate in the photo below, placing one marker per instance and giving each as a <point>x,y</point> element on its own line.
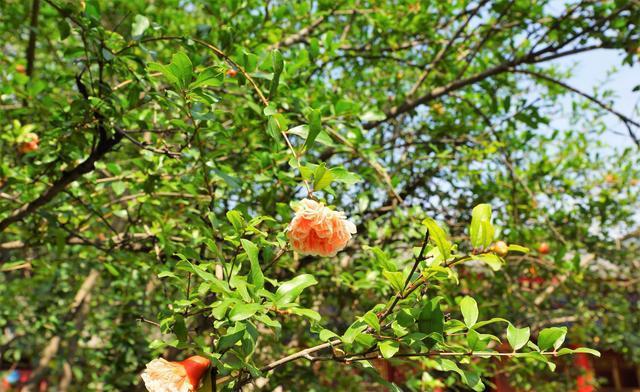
<point>610,178</point>
<point>438,108</point>
<point>544,249</point>
<point>30,144</point>
<point>500,248</point>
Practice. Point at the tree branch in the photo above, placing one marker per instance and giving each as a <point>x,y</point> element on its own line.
<point>626,120</point>
<point>103,147</point>
<point>77,311</point>
<point>437,92</point>
<point>33,34</point>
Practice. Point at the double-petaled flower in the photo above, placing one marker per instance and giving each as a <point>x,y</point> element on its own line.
<point>318,230</point>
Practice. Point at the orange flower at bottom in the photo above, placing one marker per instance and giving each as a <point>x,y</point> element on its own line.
<point>184,376</point>
<point>319,231</point>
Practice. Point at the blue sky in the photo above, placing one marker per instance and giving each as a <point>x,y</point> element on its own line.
<point>591,70</point>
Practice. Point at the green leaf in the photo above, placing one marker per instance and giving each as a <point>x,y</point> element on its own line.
<point>372,320</point>
<point>475,340</point>
<point>273,127</point>
<point>373,372</point>
<point>256,276</point>
<point>551,337</point>
<point>209,77</point>
<point>243,311</point>
<point>290,290</point>
<point>182,68</point>
<point>217,285</point>
<point>518,248</point>
<point>491,321</point>
<point>469,309</point>
<point>270,109</point>
<point>579,350</point>
<point>180,328</point>
<point>395,279</point>
<point>233,336</point>
<point>326,335</point>
<point>481,230</point>
<point>321,177</point>
<point>340,174</point>
<point>431,318</point>
<point>439,237</point>
<point>303,132</point>
<point>389,348</point>
<point>382,259</point>
<point>353,331</point>
<point>315,127</point>
<point>237,220</point>
<point>112,270</point>
<point>469,378</point>
<point>517,337</point>
<point>538,357</point>
<point>64,29</point>
<point>308,313</point>
<point>492,260</point>
<point>278,67</point>
<point>139,25</point>
<point>166,72</point>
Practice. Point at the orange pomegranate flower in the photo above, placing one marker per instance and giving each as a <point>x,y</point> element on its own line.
<point>167,376</point>
<point>319,231</point>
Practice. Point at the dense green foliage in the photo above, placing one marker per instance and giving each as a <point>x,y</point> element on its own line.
<point>174,137</point>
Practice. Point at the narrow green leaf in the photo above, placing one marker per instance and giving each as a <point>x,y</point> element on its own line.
<point>290,290</point>
<point>308,313</point>
<point>518,248</point>
<point>579,350</point>
<point>395,279</point>
<point>237,220</point>
<point>256,276</point>
<point>273,129</point>
<point>209,77</point>
<point>278,67</point>
<point>491,321</point>
<point>481,230</point>
<point>315,127</point>
<point>439,237</point>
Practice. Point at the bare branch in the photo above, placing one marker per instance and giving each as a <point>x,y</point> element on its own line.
<point>625,119</point>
